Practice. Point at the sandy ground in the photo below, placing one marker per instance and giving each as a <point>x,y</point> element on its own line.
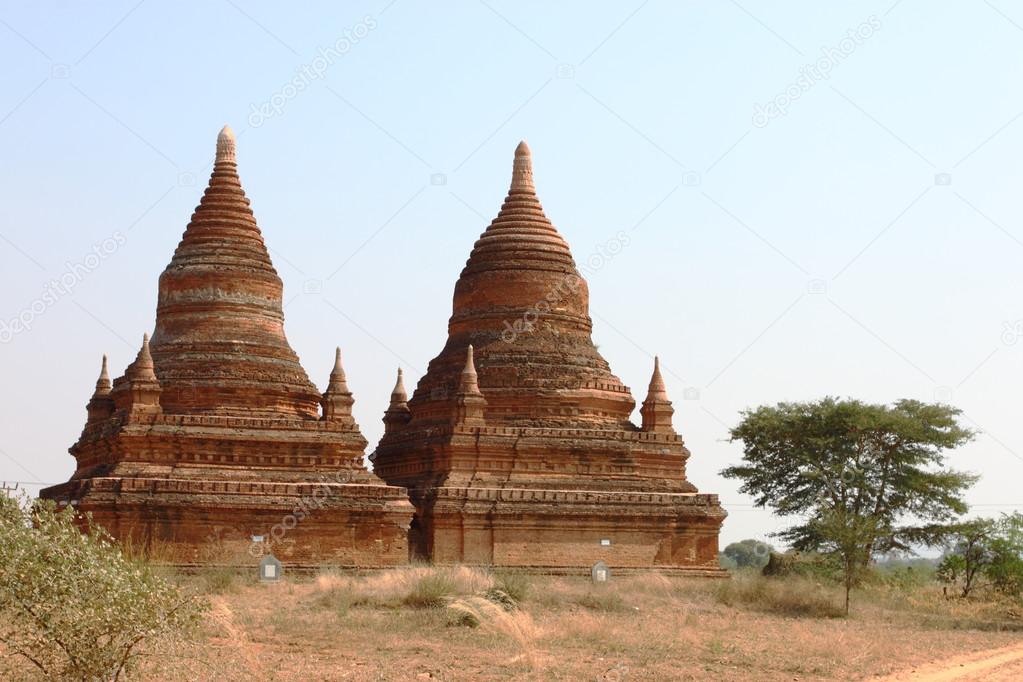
<point>995,665</point>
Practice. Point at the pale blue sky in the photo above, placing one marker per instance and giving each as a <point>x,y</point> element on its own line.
<point>867,243</point>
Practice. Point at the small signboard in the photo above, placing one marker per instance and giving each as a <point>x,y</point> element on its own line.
<point>600,572</point>
<point>270,569</point>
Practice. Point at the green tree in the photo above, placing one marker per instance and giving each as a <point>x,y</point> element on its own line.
<point>71,604</point>
<point>862,478</point>
<point>985,553</point>
<point>748,553</point>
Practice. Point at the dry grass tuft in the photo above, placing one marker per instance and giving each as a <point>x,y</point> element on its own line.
<point>518,626</point>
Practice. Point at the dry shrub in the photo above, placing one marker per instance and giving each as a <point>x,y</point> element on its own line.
<point>602,599</point>
<point>518,626</point>
<point>514,584</point>
<point>790,596</point>
<point>415,586</point>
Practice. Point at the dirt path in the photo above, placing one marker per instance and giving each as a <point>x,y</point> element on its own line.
<point>993,665</point>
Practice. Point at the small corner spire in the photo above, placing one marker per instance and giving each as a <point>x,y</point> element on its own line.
<point>103,383</point>
<point>142,369</point>
<point>337,400</point>
<point>469,401</point>
<point>398,395</point>
<point>522,169</point>
<point>397,413</point>
<point>657,388</point>
<point>657,410</point>
<point>338,372</point>
<point>469,383</point>
<point>226,146</point>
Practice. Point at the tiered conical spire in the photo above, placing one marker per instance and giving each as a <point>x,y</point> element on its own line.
<point>521,296</point>
<point>657,410</point>
<point>397,413</point>
<point>219,344</point>
<point>337,399</point>
<point>521,235</point>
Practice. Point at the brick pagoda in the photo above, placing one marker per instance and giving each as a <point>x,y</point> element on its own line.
<point>215,434</point>
<point>517,447</point>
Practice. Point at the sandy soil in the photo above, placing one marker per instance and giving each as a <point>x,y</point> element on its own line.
<point>995,665</point>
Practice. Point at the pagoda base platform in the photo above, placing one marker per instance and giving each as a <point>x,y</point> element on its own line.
<point>567,530</point>
<point>210,522</point>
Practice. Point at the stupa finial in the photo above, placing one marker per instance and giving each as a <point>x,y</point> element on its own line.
<point>522,169</point>
<point>226,145</point>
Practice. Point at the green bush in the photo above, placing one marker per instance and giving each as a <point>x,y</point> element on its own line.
<point>71,604</point>
<point>515,585</point>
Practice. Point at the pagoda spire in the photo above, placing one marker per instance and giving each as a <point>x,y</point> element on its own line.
<point>337,399</point>
<point>657,410</point>
<point>101,405</point>
<point>138,391</point>
<point>469,400</point>
<point>220,303</point>
<point>397,413</point>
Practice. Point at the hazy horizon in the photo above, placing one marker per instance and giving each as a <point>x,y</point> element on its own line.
<point>863,242</point>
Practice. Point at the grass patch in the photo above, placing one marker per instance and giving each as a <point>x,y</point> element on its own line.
<point>432,591</point>
<point>606,601</point>
<point>789,597</point>
<point>220,580</point>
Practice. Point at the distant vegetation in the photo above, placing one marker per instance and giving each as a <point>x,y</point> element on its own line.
<point>985,555</point>
<point>746,554</point>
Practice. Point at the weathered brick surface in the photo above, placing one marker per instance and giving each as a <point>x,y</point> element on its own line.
<point>517,446</point>
<point>215,433</point>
